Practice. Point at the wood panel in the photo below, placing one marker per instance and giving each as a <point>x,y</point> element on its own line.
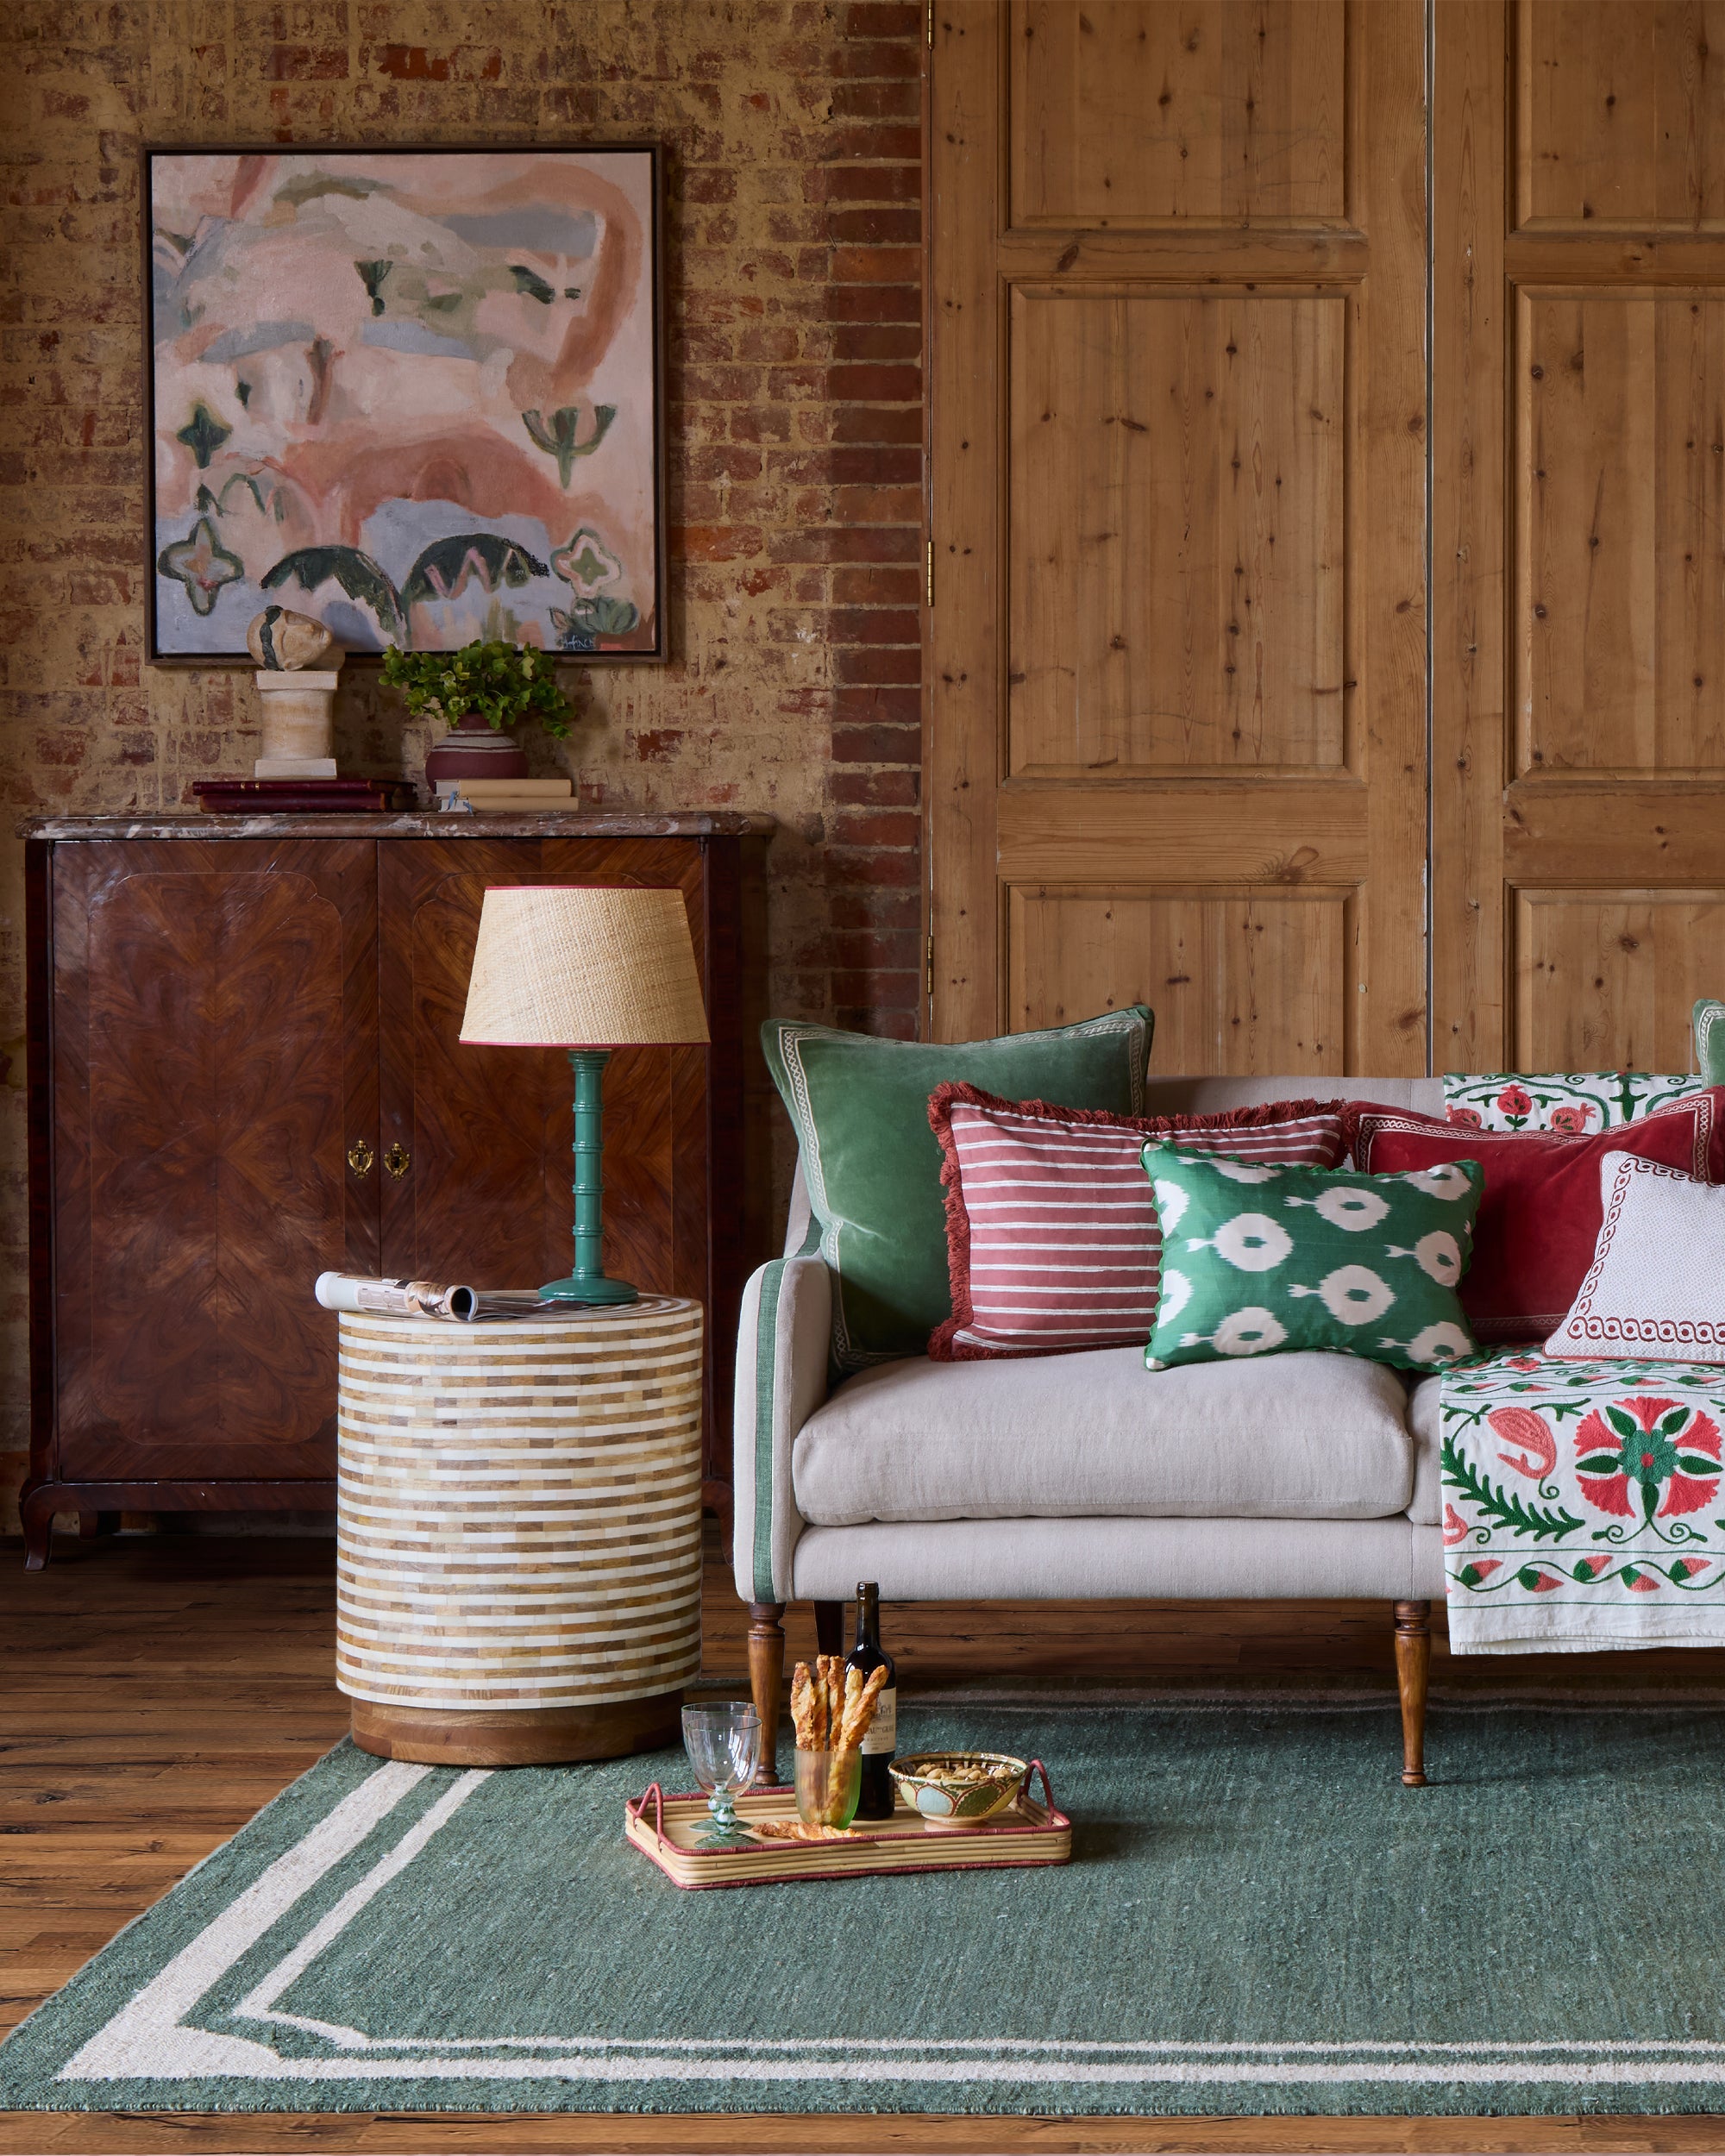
<point>1205,113</point>
<point>1578,382</point>
<point>1621,574</point>
<point>1608,978</point>
<point>1177,419</point>
<point>216,1052</point>
<point>1176,532</point>
<point>1234,981</point>
<point>1622,115</point>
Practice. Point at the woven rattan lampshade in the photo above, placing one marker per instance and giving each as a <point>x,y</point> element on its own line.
<point>570,966</point>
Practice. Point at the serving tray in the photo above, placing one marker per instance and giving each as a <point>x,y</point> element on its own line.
<point>1032,1830</point>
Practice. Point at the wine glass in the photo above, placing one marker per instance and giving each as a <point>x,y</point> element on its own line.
<point>724,1744</point>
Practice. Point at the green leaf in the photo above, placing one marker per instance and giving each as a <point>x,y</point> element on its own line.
<point>1503,1504</point>
<point>1696,1463</point>
<point>448,566</point>
<point>356,574</point>
<point>1673,1422</point>
<point>1625,1425</point>
<point>1600,1464</point>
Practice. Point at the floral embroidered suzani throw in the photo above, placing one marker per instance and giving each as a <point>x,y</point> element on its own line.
<point>1582,1504</point>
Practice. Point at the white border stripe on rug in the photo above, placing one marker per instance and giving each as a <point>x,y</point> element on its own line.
<point>147,2036</point>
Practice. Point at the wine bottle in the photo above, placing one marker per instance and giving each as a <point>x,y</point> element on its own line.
<point>882,1739</point>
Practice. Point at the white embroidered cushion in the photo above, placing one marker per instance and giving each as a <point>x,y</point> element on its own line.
<point>1657,1283</point>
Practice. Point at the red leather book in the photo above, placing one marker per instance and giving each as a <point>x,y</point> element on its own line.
<point>300,797</point>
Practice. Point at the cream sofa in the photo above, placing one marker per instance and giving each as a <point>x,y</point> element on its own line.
<point>1080,1476</point>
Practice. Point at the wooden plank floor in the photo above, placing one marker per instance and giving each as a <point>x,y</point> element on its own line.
<point>158,1690</point>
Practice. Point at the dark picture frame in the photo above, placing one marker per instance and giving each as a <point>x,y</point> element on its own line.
<point>406,405</point>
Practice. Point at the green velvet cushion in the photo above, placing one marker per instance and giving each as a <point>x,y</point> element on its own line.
<point>1258,1260</point>
<point>873,1165</point>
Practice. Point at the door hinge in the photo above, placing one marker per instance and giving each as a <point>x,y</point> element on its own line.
<point>928,589</point>
<point>928,979</point>
<point>931,24</point>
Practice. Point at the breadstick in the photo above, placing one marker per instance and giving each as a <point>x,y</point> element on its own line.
<point>836,1709</point>
<point>859,1717</point>
<point>853,1692</point>
<point>819,1733</point>
<point>802,1706</point>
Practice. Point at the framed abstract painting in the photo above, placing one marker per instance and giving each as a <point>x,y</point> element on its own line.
<point>414,393</point>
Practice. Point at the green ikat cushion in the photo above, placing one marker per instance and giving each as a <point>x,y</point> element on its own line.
<point>1260,1260</point>
<point>872,1163</point>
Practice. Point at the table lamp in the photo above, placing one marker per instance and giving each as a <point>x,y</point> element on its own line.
<point>588,969</point>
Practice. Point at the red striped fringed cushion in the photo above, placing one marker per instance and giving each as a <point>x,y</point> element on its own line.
<point>1051,1236</point>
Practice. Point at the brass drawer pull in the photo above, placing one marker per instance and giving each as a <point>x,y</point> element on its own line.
<point>361,1156</point>
<point>397,1160</point>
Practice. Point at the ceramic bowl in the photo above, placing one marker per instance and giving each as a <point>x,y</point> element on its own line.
<point>959,1804</point>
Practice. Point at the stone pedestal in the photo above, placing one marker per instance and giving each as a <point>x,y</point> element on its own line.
<point>299,717</point>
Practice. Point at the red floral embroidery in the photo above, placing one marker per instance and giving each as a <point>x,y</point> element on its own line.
<point>1639,1583</point>
<point>1469,1119</point>
<point>1656,1456</point>
<point>1520,1361</point>
<point>1515,1101</point>
<point>1572,1119</point>
<point>1455,1527</point>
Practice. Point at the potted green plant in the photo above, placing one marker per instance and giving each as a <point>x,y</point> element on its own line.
<point>480,692</point>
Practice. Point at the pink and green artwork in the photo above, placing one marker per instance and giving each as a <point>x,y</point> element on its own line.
<point>412,392</point>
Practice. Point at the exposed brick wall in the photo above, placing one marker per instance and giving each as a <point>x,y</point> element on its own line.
<point>793,134</point>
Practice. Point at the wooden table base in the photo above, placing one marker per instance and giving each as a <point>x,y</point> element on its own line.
<point>529,1737</point>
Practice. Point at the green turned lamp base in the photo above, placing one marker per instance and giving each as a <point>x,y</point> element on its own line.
<point>596,1289</point>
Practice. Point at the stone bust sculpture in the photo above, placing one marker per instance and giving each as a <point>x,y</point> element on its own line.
<point>284,642</point>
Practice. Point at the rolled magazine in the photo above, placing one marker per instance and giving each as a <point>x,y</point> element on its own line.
<point>427,1299</point>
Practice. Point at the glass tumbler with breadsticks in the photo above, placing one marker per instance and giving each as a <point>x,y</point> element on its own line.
<point>832,1708</point>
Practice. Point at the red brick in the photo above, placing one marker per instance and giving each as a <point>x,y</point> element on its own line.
<point>877,744</point>
<point>876,385</point>
<point>889,140</point>
<point>878,586</point>
<point>900,266</point>
<point>874,303</point>
<point>883,60</point>
<point>874,625</point>
<point>883,18</point>
<point>865,228</point>
<point>859,542</point>
<point>876,827</point>
<point>865,706</point>
<point>872,182</point>
<point>878,340</point>
<point>852,663</point>
<point>878,423</point>
<point>894,868</point>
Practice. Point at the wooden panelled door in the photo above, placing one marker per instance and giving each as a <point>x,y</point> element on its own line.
<point>1177,727</point>
<point>1578,491</point>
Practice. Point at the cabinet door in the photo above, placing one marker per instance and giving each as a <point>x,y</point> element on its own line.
<point>484,1191</point>
<point>215,1046</point>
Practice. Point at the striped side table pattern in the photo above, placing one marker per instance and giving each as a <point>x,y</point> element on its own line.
<point>518,1532</point>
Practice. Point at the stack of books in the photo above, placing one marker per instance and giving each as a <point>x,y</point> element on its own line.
<point>300,797</point>
<point>489,796</point>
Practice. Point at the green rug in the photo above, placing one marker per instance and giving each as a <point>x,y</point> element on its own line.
<point>1258,1919</point>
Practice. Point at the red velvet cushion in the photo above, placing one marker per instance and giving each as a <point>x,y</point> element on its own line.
<point>1052,1239</point>
<point>1541,1215</point>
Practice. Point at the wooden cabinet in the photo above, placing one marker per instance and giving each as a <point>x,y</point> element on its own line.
<point>245,1067</point>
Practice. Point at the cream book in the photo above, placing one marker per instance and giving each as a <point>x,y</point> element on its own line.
<point>511,790</point>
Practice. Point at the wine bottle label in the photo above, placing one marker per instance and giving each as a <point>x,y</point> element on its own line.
<point>883,1731</point>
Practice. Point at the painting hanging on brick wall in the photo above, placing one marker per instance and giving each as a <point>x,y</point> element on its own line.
<point>416,393</point>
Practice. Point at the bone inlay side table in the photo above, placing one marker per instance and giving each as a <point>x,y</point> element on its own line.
<point>518,1532</point>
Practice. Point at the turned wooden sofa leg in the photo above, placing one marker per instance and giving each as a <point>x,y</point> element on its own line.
<point>829,1627</point>
<point>1413,1671</point>
<point>767,1678</point>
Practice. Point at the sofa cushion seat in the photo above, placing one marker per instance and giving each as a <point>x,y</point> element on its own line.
<point>1310,1436</point>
